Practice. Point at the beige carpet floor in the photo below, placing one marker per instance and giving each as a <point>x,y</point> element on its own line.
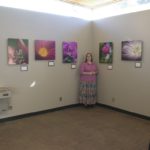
<point>76,128</point>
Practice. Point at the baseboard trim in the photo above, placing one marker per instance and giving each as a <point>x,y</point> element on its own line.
<point>71,106</point>
<point>124,111</point>
<point>37,113</point>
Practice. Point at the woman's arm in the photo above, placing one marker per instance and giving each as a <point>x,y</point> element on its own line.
<point>94,73</point>
<point>87,73</point>
<point>82,70</point>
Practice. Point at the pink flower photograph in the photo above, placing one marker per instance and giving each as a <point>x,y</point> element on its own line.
<point>44,50</point>
<point>106,52</point>
<point>17,51</point>
<point>69,52</point>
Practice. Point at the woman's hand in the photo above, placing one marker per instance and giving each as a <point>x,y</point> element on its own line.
<point>93,73</point>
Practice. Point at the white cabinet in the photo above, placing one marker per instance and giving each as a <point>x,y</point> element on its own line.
<point>5,95</point>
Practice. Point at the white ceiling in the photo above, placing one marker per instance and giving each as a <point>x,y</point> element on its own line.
<point>92,3</point>
<point>80,8</point>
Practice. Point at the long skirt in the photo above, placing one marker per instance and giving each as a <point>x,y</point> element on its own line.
<point>87,91</point>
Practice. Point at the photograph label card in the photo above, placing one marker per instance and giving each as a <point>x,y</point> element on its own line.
<point>24,68</point>
<point>51,63</point>
<point>138,65</point>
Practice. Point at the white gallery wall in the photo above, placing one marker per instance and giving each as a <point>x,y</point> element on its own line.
<point>51,82</point>
<point>124,87</point>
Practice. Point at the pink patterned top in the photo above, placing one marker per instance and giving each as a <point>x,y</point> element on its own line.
<point>85,67</point>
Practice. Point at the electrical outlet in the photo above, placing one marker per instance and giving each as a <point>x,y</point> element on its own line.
<point>60,99</point>
<point>10,107</point>
<point>113,99</point>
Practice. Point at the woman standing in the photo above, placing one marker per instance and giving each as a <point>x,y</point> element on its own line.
<point>88,74</point>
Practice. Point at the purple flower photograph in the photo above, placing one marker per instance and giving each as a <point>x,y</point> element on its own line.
<point>69,52</point>
<point>132,50</point>
<point>106,52</point>
<point>17,51</point>
<point>44,50</point>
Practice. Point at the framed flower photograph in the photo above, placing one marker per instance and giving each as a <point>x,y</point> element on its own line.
<point>44,50</point>
<point>132,50</point>
<point>106,52</point>
<point>17,51</point>
<point>69,52</point>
